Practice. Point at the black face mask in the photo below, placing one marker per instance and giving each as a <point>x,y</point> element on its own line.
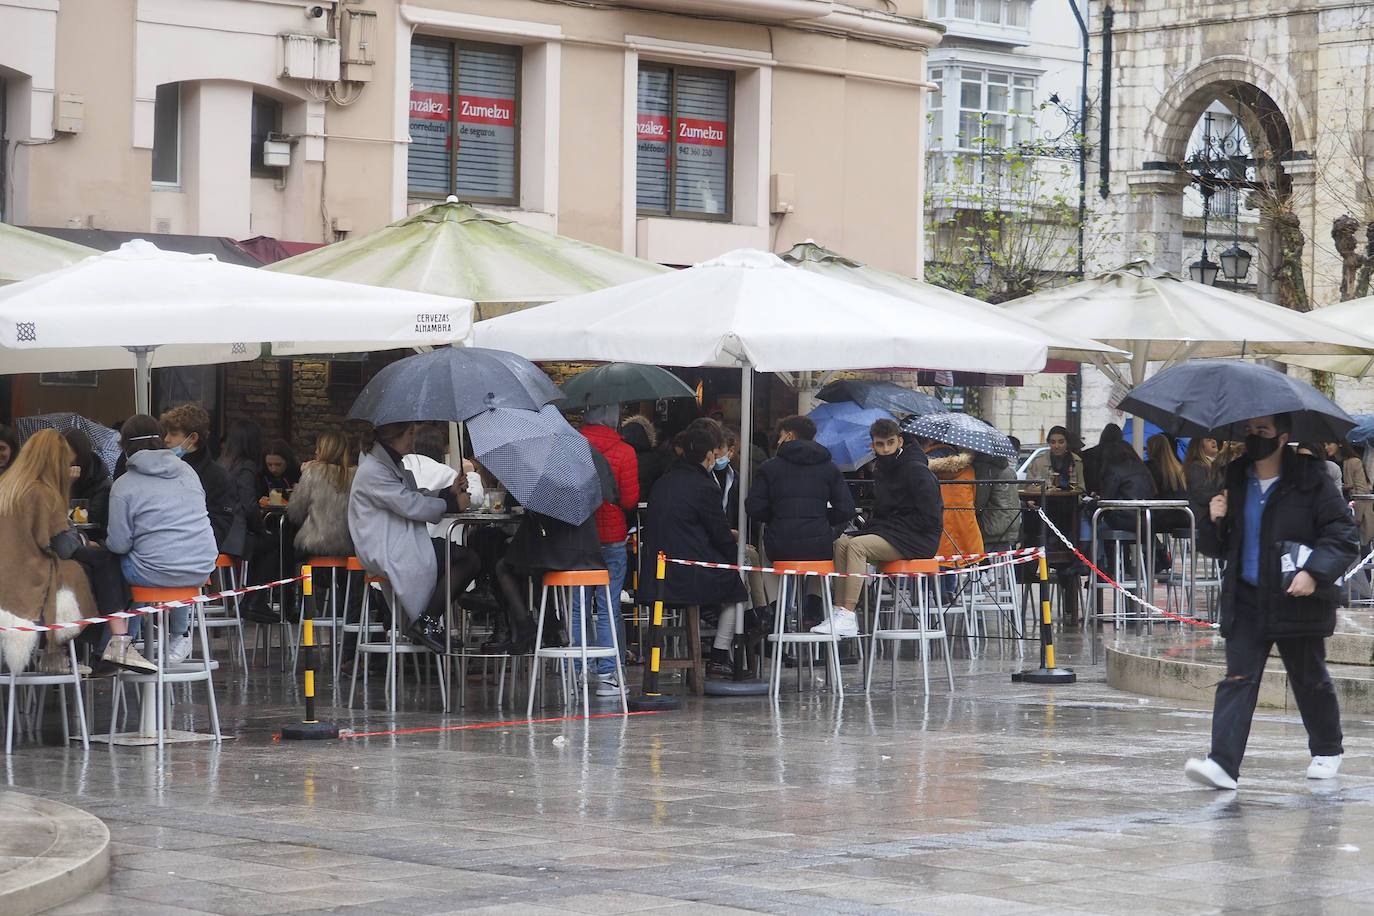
<point>887,461</point>
<point>1260,447</point>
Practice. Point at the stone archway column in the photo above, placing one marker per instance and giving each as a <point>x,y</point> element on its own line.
<point>1154,218</point>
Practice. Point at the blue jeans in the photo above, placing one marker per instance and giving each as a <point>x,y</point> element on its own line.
<point>178,619</point>
<point>616,560</point>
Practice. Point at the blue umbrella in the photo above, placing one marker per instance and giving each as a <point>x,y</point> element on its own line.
<point>1363,433</point>
<point>541,460</point>
<point>842,427</point>
<point>104,441</point>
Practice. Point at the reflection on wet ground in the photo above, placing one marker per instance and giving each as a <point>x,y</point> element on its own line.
<point>999,798</point>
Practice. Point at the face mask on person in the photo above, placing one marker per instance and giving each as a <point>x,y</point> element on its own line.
<point>887,461</point>
<point>178,450</point>
<point>1260,447</point>
<point>722,462</point>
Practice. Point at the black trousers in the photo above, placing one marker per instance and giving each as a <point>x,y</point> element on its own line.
<point>1304,658</point>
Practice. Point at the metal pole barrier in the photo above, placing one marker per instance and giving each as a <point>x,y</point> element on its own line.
<point>310,727</point>
<point>650,700</point>
<point>1047,673</point>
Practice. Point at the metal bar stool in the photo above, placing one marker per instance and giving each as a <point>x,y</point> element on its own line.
<point>153,711</point>
<point>334,621</point>
<point>392,647</point>
<point>224,614</point>
<point>792,576</point>
<point>930,626</point>
<point>15,680</point>
<point>562,584</point>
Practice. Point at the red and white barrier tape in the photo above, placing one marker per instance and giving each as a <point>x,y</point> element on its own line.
<point>147,609</point>
<point>1114,584</point>
<point>1352,571</point>
<point>1006,558</point>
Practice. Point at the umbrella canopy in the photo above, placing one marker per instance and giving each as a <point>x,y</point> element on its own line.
<point>139,304</point>
<point>616,383</point>
<point>1354,313</point>
<point>962,430</point>
<point>882,395</point>
<point>1363,433</point>
<point>842,427</point>
<point>1203,397</point>
<point>104,441</point>
<point>25,254</point>
<point>751,308</point>
<point>544,463</point>
<point>452,383</point>
<point>955,307</point>
<point>453,249</point>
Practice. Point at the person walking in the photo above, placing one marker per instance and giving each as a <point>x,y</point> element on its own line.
<point>1279,514</point>
<point>907,521</point>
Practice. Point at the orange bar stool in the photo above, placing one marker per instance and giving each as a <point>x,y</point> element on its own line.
<point>335,620</point>
<point>153,713</point>
<point>392,646</point>
<point>792,575</point>
<point>908,596</point>
<point>562,584</point>
<point>224,614</point>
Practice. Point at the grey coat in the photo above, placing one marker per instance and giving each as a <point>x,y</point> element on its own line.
<point>387,515</point>
<point>320,513</point>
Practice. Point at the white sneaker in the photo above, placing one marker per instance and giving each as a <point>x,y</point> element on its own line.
<point>122,652</point>
<point>846,623</point>
<point>607,686</point>
<point>1324,767</point>
<point>1209,773</point>
<point>178,649</point>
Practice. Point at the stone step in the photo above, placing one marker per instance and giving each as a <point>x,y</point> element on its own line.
<point>49,853</point>
<point>1187,666</point>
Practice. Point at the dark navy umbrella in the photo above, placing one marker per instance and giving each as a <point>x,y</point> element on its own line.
<point>104,441</point>
<point>881,395</point>
<point>452,383</point>
<point>544,463</point>
<point>962,430</point>
<point>1206,397</point>
<point>842,427</point>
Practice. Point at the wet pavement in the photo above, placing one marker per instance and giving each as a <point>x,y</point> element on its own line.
<point>998,798</point>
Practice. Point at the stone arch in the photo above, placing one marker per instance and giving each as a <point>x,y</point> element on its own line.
<point>1268,105</point>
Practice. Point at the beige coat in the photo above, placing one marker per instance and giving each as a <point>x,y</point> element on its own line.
<point>1356,483</point>
<point>38,586</point>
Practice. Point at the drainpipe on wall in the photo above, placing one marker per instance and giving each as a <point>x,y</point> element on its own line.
<point>1105,146</point>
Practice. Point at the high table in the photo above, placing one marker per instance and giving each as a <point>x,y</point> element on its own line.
<point>1144,543</point>
<point>510,516</point>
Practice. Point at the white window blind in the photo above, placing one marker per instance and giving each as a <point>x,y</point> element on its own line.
<point>464,131</point>
<point>683,142</point>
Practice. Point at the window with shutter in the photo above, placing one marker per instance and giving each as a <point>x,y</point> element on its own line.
<point>684,142</point>
<point>464,126</point>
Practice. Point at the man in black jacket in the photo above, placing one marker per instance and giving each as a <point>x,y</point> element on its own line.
<point>907,520</point>
<point>1287,536</point>
<point>800,494</point>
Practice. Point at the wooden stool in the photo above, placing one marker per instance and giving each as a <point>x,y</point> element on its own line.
<point>692,663</point>
<point>153,713</point>
<point>926,631</point>
<point>792,578</point>
<point>563,584</point>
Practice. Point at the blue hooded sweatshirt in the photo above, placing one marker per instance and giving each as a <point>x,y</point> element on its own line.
<point>158,518</point>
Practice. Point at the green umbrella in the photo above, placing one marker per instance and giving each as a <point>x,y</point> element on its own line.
<point>25,254</point>
<point>453,249</point>
<point>616,383</point>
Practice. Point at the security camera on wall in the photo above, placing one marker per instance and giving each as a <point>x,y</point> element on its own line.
<point>314,11</point>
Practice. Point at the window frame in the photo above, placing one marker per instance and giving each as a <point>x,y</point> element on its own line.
<point>176,153</point>
<point>455,46</point>
<point>1012,117</point>
<point>672,212</point>
<point>255,167</point>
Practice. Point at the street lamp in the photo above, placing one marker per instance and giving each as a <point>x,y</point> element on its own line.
<point>1205,270</point>
<point>1235,263</point>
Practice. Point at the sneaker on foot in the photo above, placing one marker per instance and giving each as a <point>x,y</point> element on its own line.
<point>59,663</point>
<point>122,652</point>
<point>178,649</point>
<point>1209,773</point>
<point>607,686</point>
<point>846,623</point>
<point>1324,767</point>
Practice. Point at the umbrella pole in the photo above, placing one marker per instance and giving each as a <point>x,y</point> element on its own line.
<point>1138,363</point>
<point>746,434</point>
<point>143,380</point>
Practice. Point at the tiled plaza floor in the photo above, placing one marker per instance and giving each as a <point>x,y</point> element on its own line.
<point>1000,798</point>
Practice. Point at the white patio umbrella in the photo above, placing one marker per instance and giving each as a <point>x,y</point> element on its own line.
<point>1354,313</point>
<point>1156,317</point>
<point>139,305</point>
<point>24,253</point>
<point>750,309</point>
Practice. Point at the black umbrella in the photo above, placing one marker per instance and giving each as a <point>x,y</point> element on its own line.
<point>452,383</point>
<point>616,383</point>
<point>1205,396</point>
<point>881,396</point>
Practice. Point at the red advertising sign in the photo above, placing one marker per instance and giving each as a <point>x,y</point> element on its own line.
<point>475,109</point>
<point>701,133</point>
<point>653,128</point>
<point>429,106</point>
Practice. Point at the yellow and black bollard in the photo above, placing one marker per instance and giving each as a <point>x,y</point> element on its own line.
<point>650,700</point>
<point>1047,673</point>
<point>310,727</point>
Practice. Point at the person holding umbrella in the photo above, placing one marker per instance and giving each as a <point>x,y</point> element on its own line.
<point>387,517</point>
<point>1286,536</point>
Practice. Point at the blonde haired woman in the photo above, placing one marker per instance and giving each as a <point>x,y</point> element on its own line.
<point>42,583</point>
<point>319,503</point>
